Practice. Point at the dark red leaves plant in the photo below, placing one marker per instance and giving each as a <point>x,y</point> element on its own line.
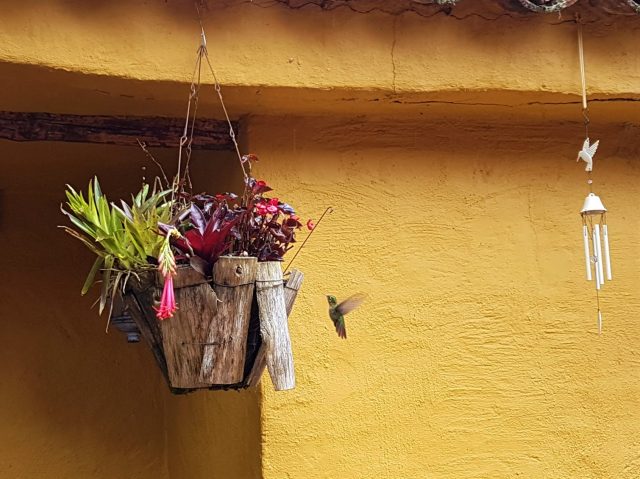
<point>254,225</point>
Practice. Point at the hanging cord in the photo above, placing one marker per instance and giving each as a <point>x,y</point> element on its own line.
<point>599,311</point>
<point>585,105</point>
<point>583,78</point>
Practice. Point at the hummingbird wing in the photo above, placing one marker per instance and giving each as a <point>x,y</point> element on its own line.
<point>350,303</point>
<point>583,153</point>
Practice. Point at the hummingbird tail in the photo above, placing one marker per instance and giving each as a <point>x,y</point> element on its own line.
<point>341,330</point>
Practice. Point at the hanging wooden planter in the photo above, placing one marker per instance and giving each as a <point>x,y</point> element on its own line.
<point>226,330</point>
<point>228,327</point>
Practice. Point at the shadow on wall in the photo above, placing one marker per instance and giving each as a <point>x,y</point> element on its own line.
<point>78,397</point>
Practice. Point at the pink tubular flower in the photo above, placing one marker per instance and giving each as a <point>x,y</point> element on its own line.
<point>168,301</point>
<point>311,225</point>
<point>167,267</point>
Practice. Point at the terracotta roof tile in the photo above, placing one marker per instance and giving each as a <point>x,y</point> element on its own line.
<point>607,7</point>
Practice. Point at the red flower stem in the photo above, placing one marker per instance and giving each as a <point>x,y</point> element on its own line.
<point>328,210</point>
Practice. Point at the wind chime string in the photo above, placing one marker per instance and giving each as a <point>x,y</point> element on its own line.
<point>583,79</point>
<point>595,231</point>
<point>583,76</point>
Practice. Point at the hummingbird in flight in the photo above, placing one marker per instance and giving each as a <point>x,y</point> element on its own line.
<point>337,311</point>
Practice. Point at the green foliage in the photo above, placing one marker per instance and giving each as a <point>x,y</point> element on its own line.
<point>123,238</point>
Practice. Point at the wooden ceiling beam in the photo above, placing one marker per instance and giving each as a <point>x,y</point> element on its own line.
<point>113,130</point>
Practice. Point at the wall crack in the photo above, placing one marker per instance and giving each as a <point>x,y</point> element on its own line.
<point>393,59</point>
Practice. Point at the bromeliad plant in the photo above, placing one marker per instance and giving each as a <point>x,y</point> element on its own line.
<point>165,228</point>
<point>124,238</point>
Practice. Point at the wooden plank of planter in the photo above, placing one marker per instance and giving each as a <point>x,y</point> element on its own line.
<point>184,335</point>
<point>226,344</point>
<point>115,130</point>
<point>291,288</point>
<point>274,327</point>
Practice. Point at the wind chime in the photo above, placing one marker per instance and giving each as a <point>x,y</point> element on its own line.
<point>594,215</point>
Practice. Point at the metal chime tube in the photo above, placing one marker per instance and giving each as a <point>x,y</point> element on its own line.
<point>605,237</point>
<point>598,247</point>
<point>587,254</point>
<point>595,255</point>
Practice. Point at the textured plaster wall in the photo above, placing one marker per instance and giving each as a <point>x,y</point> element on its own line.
<point>477,353</point>
<point>214,435</point>
<point>272,47</point>
<point>75,402</point>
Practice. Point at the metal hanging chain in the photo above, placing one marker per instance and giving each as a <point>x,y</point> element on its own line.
<point>186,138</point>
<point>218,89</point>
<point>195,90</point>
<point>232,133</point>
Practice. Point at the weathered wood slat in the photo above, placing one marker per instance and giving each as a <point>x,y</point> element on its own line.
<point>115,130</point>
<point>226,344</point>
<point>184,334</point>
<point>291,288</point>
<point>274,326</point>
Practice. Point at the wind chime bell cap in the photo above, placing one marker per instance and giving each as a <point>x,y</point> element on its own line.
<point>593,205</point>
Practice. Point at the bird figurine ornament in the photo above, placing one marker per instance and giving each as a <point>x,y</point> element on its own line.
<point>587,153</point>
<point>337,311</point>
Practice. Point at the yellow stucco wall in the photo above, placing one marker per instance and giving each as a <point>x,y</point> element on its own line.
<point>75,402</point>
<point>477,354</point>
<point>446,147</point>
<point>323,60</point>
